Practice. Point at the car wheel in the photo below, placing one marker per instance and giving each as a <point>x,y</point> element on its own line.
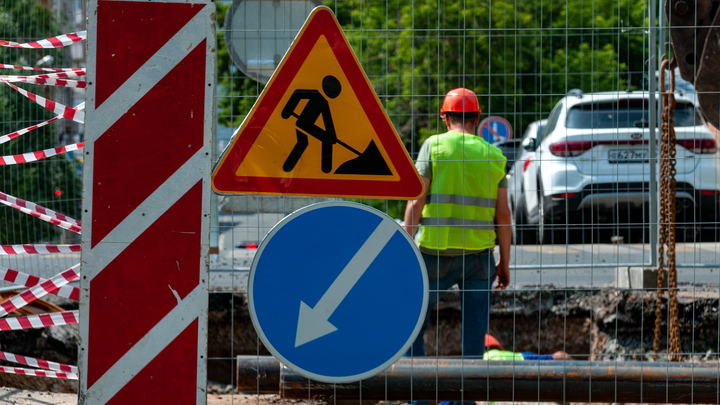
<point>523,233</point>
<point>544,231</point>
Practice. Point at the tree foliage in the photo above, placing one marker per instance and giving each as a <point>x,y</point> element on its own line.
<point>21,21</point>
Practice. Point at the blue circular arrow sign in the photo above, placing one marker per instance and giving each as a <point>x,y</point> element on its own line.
<point>494,129</point>
<point>338,291</point>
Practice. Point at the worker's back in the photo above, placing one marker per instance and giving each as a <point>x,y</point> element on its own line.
<point>460,213</point>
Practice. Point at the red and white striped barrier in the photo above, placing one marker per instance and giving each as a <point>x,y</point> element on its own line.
<point>27,280</point>
<point>48,43</point>
<point>16,67</point>
<point>47,82</point>
<point>41,212</point>
<point>128,216</point>
<point>38,155</point>
<point>40,290</point>
<point>40,321</point>
<point>37,249</point>
<point>33,362</point>
<point>13,135</point>
<point>38,373</point>
<point>57,108</point>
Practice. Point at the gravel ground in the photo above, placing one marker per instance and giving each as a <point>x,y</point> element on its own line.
<point>24,397</point>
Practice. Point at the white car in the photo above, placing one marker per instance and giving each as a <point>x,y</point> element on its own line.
<point>523,157</point>
<point>592,166</point>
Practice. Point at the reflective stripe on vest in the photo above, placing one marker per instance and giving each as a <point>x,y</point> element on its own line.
<point>460,210</point>
<point>458,223</point>
<point>465,200</point>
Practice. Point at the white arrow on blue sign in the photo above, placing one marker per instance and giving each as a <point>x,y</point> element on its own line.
<point>338,291</point>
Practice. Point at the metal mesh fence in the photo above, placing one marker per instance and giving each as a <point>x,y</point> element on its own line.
<point>577,81</point>
<point>53,183</point>
<point>584,207</point>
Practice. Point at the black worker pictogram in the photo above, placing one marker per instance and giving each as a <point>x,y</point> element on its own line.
<point>317,107</point>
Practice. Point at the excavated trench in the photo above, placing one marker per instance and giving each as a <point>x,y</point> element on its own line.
<point>587,324</point>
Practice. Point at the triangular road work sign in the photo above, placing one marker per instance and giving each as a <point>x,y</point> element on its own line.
<point>318,129</point>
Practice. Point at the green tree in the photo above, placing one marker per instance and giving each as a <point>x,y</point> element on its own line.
<point>22,21</point>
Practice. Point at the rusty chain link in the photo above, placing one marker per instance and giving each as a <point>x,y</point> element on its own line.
<point>666,245</point>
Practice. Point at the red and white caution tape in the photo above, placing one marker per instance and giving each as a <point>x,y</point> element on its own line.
<point>72,74</point>
<point>33,362</point>
<point>40,290</point>
<point>6,66</point>
<point>38,373</point>
<point>57,108</point>
<point>27,280</point>
<point>56,75</point>
<point>49,43</point>
<point>37,249</point>
<point>40,321</point>
<point>38,155</point>
<point>11,136</point>
<point>41,212</point>
<point>47,82</point>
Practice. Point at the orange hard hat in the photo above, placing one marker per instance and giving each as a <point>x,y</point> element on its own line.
<point>460,101</point>
<point>490,341</point>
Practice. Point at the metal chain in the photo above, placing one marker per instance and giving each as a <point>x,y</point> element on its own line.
<point>667,232</point>
<point>663,218</point>
<point>674,322</point>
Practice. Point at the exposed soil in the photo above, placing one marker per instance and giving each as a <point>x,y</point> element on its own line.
<point>588,324</point>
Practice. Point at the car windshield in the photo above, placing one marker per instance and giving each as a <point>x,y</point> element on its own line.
<point>540,130</point>
<point>625,114</point>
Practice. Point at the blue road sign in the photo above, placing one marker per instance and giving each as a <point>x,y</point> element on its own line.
<point>494,129</point>
<point>337,291</point>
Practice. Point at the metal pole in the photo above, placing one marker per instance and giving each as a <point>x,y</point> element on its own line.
<point>653,110</point>
<point>214,220</point>
<point>478,380</point>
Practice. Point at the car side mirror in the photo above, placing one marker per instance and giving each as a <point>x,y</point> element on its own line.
<point>529,145</point>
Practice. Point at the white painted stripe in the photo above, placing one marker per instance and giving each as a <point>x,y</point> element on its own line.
<point>147,348</point>
<point>65,291</point>
<point>35,322</point>
<point>149,74</point>
<point>145,214</point>
<point>21,279</point>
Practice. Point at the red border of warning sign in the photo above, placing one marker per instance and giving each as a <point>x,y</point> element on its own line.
<point>321,22</point>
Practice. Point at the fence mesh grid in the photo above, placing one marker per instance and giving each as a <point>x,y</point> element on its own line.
<point>575,79</point>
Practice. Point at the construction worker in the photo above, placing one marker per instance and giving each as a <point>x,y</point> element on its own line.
<point>463,210</point>
<point>495,351</point>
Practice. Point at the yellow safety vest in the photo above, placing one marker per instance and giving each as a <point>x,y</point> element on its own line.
<point>460,210</point>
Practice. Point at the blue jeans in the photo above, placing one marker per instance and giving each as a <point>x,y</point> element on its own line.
<point>474,274</point>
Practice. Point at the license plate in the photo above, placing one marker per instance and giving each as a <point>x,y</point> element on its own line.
<point>628,156</point>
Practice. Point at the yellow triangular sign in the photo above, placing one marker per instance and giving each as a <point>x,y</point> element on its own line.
<point>318,128</point>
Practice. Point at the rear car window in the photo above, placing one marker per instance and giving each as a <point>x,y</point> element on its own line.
<point>552,120</point>
<point>625,114</point>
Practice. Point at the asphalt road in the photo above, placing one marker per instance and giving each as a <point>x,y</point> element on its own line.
<point>561,266</point>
